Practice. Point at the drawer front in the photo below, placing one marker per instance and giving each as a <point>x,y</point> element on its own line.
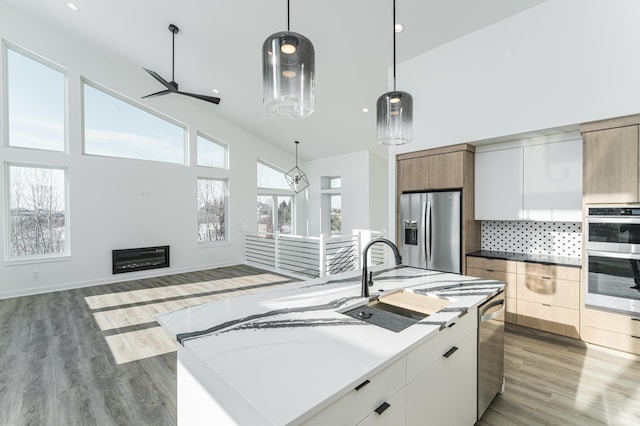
<point>491,264</point>
<point>610,339</point>
<point>549,271</point>
<point>612,322</point>
<point>549,291</point>
<point>489,274</point>
<point>554,319</point>
<point>433,349</point>
<point>393,415</point>
<point>358,404</point>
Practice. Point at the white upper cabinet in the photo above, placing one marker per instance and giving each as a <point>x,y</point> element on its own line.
<point>541,182</point>
<point>498,184</point>
<point>553,181</point>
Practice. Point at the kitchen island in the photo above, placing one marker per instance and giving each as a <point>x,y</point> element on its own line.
<point>291,356</point>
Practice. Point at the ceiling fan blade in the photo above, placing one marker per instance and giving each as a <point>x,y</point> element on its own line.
<point>211,99</point>
<point>160,93</point>
<point>164,82</point>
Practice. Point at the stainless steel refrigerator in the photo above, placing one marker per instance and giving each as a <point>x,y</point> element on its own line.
<point>430,234</point>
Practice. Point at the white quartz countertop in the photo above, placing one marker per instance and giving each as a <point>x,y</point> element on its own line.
<point>289,352</point>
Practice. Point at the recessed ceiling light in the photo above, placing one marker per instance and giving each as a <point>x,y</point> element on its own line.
<point>216,91</point>
<point>72,7</point>
<point>398,28</point>
<point>365,109</point>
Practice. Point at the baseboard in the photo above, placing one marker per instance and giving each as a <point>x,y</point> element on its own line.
<point>131,276</point>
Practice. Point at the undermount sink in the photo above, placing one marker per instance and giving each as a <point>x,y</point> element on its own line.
<point>398,310</point>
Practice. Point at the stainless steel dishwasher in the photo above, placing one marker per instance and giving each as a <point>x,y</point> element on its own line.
<point>490,351</point>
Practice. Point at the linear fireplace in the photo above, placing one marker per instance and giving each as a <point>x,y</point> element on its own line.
<point>140,259</point>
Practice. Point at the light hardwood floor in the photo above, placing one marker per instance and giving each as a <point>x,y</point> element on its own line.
<point>96,356</point>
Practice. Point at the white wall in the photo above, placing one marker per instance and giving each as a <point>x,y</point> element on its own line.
<point>556,64</point>
<point>108,210</point>
<point>364,194</point>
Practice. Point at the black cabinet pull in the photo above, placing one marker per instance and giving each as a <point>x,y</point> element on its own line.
<point>635,337</point>
<point>451,325</point>
<point>450,352</point>
<point>382,408</point>
<point>635,319</point>
<point>363,384</point>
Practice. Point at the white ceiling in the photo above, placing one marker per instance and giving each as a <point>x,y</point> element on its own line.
<point>219,46</point>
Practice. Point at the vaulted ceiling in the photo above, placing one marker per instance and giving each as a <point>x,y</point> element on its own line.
<point>219,46</point>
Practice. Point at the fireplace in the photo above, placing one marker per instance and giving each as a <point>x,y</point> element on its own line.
<point>140,259</point>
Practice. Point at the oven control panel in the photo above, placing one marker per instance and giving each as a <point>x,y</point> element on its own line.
<point>614,211</point>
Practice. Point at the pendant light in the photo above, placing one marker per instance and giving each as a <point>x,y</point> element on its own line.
<point>395,109</point>
<point>296,178</point>
<point>288,74</point>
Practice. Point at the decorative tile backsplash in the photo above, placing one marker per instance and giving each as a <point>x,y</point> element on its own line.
<point>551,238</point>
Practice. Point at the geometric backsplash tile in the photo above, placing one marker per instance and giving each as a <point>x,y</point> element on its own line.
<point>551,238</point>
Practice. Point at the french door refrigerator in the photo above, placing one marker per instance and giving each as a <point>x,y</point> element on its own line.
<point>430,233</point>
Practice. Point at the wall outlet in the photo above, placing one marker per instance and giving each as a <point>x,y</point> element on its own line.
<point>36,274</point>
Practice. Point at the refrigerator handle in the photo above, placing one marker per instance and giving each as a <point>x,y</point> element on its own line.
<point>427,227</point>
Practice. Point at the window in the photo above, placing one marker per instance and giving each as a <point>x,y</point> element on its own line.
<point>37,211</point>
<point>36,103</point>
<point>212,153</point>
<point>212,210</point>
<point>331,205</point>
<point>275,201</point>
<point>115,128</point>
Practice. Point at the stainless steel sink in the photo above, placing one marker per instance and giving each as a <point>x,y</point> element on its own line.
<point>386,316</point>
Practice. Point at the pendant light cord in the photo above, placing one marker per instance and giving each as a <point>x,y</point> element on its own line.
<point>173,57</point>
<point>289,23</point>
<point>297,153</point>
<point>394,45</point>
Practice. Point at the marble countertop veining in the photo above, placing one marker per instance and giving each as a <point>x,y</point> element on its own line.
<point>290,351</point>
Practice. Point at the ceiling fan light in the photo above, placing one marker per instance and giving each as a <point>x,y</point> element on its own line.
<point>288,78</point>
<point>395,119</point>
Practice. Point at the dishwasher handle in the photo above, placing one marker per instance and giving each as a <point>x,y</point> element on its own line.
<point>489,317</point>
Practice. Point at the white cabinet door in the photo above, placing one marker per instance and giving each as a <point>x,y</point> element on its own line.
<point>498,184</point>
<point>553,181</point>
<point>446,392</point>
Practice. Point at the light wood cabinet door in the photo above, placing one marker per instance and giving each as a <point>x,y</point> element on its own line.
<point>611,165</point>
<point>413,174</point>
<point>446,171</point>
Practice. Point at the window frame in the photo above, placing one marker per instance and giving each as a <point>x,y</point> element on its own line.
<point>275,193</point>
<point>185,128</point>
<point>216,141</point>
<point>227,239</point>
<point>6,46</point>
<point>37,258</point>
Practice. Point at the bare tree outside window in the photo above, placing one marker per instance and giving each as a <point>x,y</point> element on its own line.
<point>37,217</point>
<point>212,194</point>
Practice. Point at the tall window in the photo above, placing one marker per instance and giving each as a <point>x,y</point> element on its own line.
<point>212,153</point>
<point>275,201</point>
<point>331,205</point>
<point>36,103</point>
<point>115,128</point>
<point>37,211</point>
<point>212,210</point>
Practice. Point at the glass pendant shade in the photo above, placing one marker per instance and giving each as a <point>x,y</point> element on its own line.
<point>296,179</point>
<point>288,73</point>
<point>395,118</point>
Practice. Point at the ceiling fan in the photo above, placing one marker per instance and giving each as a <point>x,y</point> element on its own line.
<point>172,86</point>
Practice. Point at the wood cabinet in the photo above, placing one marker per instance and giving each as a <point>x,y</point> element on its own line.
<point>616,331</point>
<point>544,297</point>
<point>442,377</point>
<point>540,182</point>
<point>611,158</point>
<point>443,168</point>
<point>501,270</point>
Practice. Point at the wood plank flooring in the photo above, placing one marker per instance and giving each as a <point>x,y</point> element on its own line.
<point>96,356</point>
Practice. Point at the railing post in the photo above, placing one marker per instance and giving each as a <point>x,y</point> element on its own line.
<point>276,251</point>
<point>322,249</point>
<point>357,242</point>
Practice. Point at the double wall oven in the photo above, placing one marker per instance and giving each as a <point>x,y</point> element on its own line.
<point>612,250</point>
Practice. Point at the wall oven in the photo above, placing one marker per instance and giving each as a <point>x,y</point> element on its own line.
<point>612,248</point>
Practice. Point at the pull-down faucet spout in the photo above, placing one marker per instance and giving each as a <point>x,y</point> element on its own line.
<point>365,271</point>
